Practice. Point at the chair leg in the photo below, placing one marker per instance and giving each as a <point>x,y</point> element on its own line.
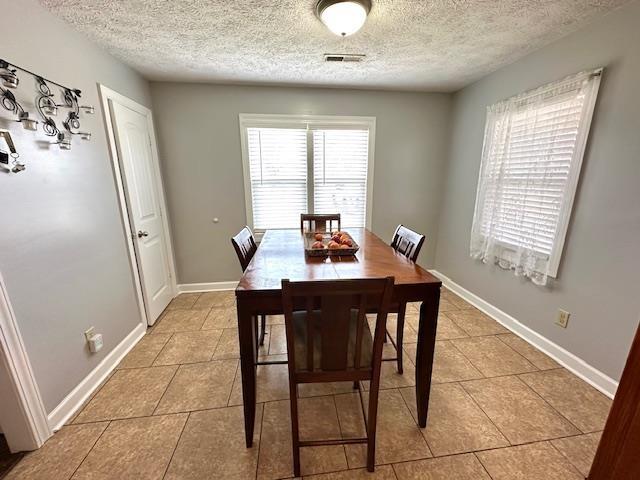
<point>372,420</point>
<point>263,327</point>
<point>400,335</point>
<point>295,435</point>
<point>256,333</point>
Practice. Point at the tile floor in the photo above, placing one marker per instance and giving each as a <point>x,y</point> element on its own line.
<point>7,459</point>
<point>499,409</point>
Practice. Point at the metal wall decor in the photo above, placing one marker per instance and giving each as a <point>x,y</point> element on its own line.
<point>46,105</point>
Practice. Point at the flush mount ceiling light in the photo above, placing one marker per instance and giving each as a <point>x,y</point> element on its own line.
<point>343,17</point>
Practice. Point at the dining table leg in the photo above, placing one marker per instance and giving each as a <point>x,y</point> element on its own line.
<point>425,351</point>
<point>248,337</point>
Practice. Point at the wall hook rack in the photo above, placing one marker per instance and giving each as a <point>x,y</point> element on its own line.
<point>46,105</point>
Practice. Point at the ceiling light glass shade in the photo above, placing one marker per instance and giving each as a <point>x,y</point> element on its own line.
<point>343,18</point>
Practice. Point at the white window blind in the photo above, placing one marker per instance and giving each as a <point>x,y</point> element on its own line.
<point>531,159</point>
<point>297,164</point>
<point>278,169</point>
<point>340,162</point>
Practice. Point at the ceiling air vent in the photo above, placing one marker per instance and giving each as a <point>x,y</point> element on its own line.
<point>343,57</point>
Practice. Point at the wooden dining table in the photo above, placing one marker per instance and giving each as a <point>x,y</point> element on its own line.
<point>281,255</point>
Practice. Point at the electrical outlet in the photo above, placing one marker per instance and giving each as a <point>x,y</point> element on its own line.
<point>563,318</point>
<point>89,333</point>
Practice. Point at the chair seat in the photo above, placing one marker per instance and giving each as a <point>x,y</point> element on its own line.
<point>300,340</point>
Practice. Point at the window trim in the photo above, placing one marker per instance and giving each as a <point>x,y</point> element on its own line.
<point>564,216</point>
<point>257,120</point>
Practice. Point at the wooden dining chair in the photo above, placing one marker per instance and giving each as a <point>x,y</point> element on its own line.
<point>245,246</point>
<point>318,223</point>
<point>329,340</point>
<point>408,243</point>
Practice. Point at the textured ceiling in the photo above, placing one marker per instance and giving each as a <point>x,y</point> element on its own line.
<point>437,45</point>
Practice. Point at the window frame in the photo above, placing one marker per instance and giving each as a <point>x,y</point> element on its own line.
<point>309,122</point>
<point>564,216</point>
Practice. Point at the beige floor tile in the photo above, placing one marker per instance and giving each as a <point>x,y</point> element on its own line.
<point>212,445</point>
<point>382,472</point>
<point>275,319</point>
<point>413,306</point>
<point>449,364</point>
<point>219,318</point>
<point>184,300</point>
<point>224,299</point>
<point>189,347</point>
<point>322,389</point>
<point>390,378</point>
<point>275,450</point>
<point>263,350</point>
<point>199,386</point>
<point>276,456</point>
<point>579,450</point>
<point>446,306</point>
<point>537,461</point>
<point>531,353</point>
<point>180,320</point>
<point>272,382</point>
<point>475,323</point>
<point>228,346</point>
<point>318,418</point>
<point>410,335</point>
<point>457,467</point>
<point>59,457</point>
<point>446,329</point>
<point>455,424</point>
<point>146,351</point>
<point>582,404</point>
<point>520,414</point>
<point>398,437</point>
<point>277,340</point>
<point>73,417</point>
<point>457,301</point>
<point>137,448</point>
<point>492,357</point>
<point>128,393</point>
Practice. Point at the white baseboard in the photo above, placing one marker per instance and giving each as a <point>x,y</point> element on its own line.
<point>206,287</point>
<point>571,362</point>
<point>67,407</point>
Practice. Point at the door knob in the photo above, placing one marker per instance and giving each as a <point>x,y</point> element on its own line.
<point>142,234</point>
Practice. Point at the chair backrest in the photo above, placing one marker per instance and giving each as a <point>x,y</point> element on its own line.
<point>407,242</point>
<point>338,344</point>
<point>245,246</point>
<point>318,223</point>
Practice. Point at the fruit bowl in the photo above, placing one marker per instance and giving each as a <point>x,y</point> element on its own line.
<point>322,244</point>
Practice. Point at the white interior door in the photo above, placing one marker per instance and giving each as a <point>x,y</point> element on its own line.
<point>133,141</point>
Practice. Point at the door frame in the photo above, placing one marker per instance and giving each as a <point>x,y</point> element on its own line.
<point>23,416</point>
<point>107,95</point>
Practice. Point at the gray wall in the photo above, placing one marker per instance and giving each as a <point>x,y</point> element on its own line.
<point>62,250</point>
<point>598,279</point>
<point>199,140</point>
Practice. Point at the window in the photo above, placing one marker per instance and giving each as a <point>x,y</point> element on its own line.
<point>278,163</point>
<point>531,158</point>
<point>302,164</point>
<point>340,160</point>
